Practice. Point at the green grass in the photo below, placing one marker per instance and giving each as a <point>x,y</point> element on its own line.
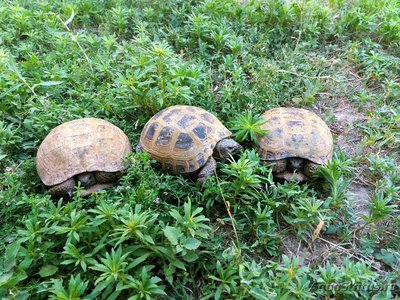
<point>158,236</point>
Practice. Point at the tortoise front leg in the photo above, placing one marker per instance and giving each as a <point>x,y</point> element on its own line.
<point>63,189</point>
<point>139,148</point>
<point>310,168</point>
<point>207,170</point>
<point>279,165</point>
<point>292,176</point>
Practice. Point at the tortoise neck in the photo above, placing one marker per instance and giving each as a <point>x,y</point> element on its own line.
<point>217,151</point>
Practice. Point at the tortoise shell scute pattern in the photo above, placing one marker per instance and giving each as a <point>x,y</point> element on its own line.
<point>82,145</point>
<point>182,138</point>
<point>295,132</point>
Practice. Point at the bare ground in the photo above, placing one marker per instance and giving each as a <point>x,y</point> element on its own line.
<point>348,139</point>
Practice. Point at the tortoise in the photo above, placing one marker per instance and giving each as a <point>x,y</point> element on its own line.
<point>186,140</point>
<point>297,141</point>
<point>88,150</point>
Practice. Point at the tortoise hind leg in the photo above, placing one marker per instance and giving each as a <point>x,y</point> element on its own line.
<point>63,189</point>
<point>207,170</point>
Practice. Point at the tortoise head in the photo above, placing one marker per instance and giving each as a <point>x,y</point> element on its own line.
<point>87,179</point>
<point>296,164</point>
<point>226,148</point>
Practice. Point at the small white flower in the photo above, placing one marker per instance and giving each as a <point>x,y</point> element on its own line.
<point>10,239</point>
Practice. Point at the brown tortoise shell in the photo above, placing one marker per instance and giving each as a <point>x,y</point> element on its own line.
<point>182,138</point>
<point>295,132</point>
<point>82,145</point>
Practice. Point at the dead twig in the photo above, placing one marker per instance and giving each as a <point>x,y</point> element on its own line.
<point>76,41</point>
<point>306,76</point>
<point>298,248</point>
<point>228,209</point>
<point>357,256</point>
<point>301,28</point>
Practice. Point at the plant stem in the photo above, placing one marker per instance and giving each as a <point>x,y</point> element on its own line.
<point>228,206</point>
